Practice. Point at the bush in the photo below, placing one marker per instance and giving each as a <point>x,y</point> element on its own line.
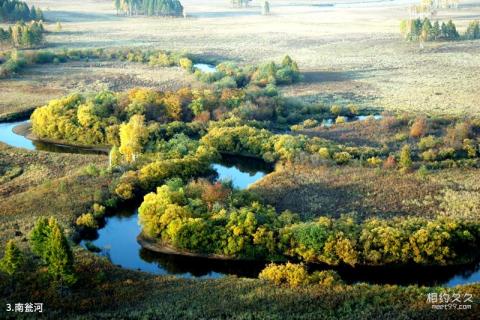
<point>429,155</point>
<point>419,128</point>
<point>375,161</point>
<point>340,120</point>
<point>429,142</point>
<point>342,157</point>
<point>98,210</point>
<point>336,109</point>
<point>87,220</point>
<point>91,170</point>
<point>125,191</point>
<point>290,274</point>
<point>326,278</point>
<point>186,64</point>
<point>324,153</point>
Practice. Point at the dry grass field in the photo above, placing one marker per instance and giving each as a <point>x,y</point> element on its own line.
<point>350,52</point>
<point>34,184</point>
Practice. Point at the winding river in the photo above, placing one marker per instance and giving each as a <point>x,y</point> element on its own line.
<point>117,239</point>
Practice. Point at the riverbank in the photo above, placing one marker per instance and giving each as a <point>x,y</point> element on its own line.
<point>152,245</point>
<point>17,116</point>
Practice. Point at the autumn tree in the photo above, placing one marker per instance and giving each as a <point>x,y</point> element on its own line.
<point>13,259</point>
<point>213,193</point>
<point>132,137</point>
<point>419,128</point>
<point>115,157</point>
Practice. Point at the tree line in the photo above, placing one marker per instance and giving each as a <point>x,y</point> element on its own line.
<point>149,7</point>
<point>22,35</point>
<point>15,10</point>
<point>424,30</point>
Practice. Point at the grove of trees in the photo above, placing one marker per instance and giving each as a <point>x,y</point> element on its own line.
<point>425,30</point>
<point>15,10</point>
<point>22,35</point>
<point>149,7</point>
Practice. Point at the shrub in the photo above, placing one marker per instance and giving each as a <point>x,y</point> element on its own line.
<point>87,220</point>
<point>428,143</point>
<point>342,157</point>
<point>419,128</point>
<point>91,170</point>
<point>290,274</point>
<point>375,161</point>
<point>326,278</point>
<point>470,148</point>
<point>324,153</point>
<point>446,153</point>
<point>405,158</point>
<point>124,191</point>
<point>336,109</point>
<point>340,120</point>
<point>186,64</point>
<point>353,109</point>
<point>98,210</point>
<point>429,155</point>
<point>390,162</point>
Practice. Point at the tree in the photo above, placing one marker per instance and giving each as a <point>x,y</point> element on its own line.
<point>48,241</point>
<point>13,259</point>
<point>436,32</point>
<point>405,158</point>
<point>266,8</point>
<point>115,157</point>
<point>473,31</point>
<point>39,237</point>
<point>132,137</point>
<point>60,257</point>
<point>426,34</point>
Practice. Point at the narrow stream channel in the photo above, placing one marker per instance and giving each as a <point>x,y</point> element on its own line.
<point>117,239</point>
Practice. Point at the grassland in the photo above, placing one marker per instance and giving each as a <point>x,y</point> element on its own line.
<point>348,53</point>
<point>39,84</point>
<point>322,190</point>
<point>113,293</point>
<point>43,186</point>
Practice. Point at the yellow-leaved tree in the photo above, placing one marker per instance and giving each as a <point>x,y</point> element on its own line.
<point>133,135</point>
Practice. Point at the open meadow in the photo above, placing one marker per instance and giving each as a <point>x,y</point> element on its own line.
<point>349,53</point>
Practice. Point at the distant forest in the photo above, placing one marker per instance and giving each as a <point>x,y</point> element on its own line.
<point>14,10</point>
<point>149,7</point>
